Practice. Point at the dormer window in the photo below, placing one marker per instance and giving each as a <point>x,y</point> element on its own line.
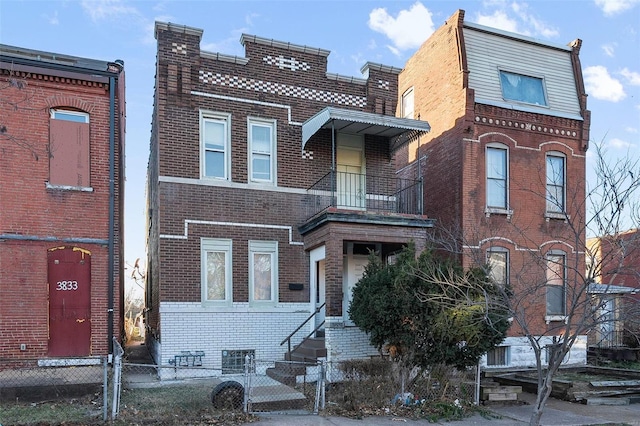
<point>522,88</point>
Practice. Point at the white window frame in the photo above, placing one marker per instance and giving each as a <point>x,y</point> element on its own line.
<point>497,209</point>
<point>270,248</point>
<point>552,208</point>
<point>271,124</point>
<point>556,316</point>
<point>224,119</point>
<point>541,79</point>
<point>408,103</point>
<point>224,245</point>
<point>500,250</point>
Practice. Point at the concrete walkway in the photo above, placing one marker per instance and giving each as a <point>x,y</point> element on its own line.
<point>557,413</point>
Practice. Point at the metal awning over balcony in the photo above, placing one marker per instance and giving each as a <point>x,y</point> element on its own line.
<point>398,130</point>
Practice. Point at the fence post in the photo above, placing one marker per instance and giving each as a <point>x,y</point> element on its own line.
<point>105,389</point>
<point>476,396</point>
<point>247,383</point>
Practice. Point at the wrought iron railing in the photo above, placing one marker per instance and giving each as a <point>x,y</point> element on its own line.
<point>354,191</point>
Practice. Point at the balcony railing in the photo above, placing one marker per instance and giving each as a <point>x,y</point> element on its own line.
<point>358,192</point>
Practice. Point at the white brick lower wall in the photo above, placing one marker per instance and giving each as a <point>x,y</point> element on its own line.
<point>347,343</point>
<point>192,327</point>
<point>521,353</point>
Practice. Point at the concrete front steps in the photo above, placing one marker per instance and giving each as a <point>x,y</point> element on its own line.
<point>296,362</point>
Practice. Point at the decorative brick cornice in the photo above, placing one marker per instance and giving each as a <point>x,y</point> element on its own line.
<point>527,121</point>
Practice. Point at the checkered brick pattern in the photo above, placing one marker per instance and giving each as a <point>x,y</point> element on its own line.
<point>383,84</point>
<point>282,89</point>
<point>179,48</point>
<point>287,63</point>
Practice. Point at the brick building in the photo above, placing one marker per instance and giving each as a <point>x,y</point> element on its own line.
<point>270,180</point>
<point>613,261</point>
<point>61,206</point>
<point>504,167</point>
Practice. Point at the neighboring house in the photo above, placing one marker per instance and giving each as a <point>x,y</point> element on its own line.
<point>504,165</point>
<point>613,262</point>
<point>270,180</point>
<point>61,206</point>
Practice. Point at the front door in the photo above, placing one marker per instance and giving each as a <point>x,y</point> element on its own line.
<point>69,275</point>
<point>320,291</point>
<point>350,182</point>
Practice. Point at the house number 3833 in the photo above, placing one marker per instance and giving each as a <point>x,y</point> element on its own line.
<point>67,285</point>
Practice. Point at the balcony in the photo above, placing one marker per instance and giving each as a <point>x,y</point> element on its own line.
<point>358,197</point>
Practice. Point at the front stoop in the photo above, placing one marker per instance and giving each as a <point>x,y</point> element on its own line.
<point>274,397</point>
<point>497,393</point>
<point>296,362</point>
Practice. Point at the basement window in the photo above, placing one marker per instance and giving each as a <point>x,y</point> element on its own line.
<point>233,361</point>
<point>498,356</point>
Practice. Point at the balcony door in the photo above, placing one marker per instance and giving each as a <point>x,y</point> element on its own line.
<point>350,182</point>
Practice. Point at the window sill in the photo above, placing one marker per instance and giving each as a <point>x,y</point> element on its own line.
<point>555,318</point>
<point>488,211</point>
<point>68,187</point>
<point>557,216</point>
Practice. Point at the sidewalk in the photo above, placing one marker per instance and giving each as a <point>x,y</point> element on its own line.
<point>557,413</point>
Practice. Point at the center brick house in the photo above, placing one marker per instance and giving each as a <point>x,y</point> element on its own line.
<point>271,180</point>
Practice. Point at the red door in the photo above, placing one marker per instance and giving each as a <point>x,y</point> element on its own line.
<point>69,270</point>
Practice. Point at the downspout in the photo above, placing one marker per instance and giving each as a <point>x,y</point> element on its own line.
<point>112,156</point>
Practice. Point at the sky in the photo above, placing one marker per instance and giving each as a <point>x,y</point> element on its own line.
<point>355,31</point>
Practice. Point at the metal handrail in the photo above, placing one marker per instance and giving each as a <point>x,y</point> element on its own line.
<point>288,338</point>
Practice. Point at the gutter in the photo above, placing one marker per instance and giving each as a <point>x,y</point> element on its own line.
<point>112,156</point>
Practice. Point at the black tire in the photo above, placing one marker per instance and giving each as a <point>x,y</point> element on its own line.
<point>228,395</point>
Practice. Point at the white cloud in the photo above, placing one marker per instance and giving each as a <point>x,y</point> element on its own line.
<point>530,20</point>
<point>501,21</point>
<point>599,84</point>
<point>250,17</point>
<point>515,17</point>
<point>616,143</point>
<point>632,77</point>
<point>609,49</point>
<point>406,31</point>
<point>613,7</point>
<point>103,9</point>
<point>631,129</point>
<point>53,19</point>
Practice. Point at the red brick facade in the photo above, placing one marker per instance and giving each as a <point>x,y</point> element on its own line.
<point>455,165</point>
<point>37,216</point>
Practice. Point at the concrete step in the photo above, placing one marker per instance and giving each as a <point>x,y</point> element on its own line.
<point>311,352</point>
<point>293,368</point>
<point>283,377</point>
<point>314,342</point>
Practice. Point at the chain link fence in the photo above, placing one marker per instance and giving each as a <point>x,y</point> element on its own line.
<point>175,393</point>
<point>30,382</point>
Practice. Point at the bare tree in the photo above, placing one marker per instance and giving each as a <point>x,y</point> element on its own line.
<point>15,100</point>
<point>134,298</point>
<point>560,283</point>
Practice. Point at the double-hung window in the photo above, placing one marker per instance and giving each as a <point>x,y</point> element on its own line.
<point>522,88</point>
<point>69,159</point>
<point>263,271</point>
<point>556,283</point>
<point>216,270</point>
<point>215,141</point>
<point>407,104</point>
<point>498,261</point>
<point>497,178</point>
<point>556,189</point>
<point>262,150</point>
